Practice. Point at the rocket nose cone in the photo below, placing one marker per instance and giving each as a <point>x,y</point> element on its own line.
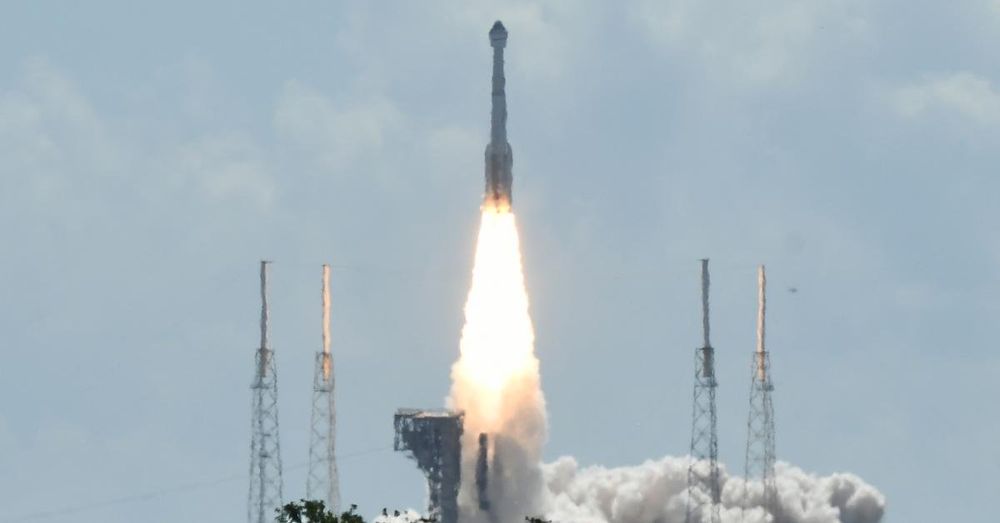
<point>498,34</point>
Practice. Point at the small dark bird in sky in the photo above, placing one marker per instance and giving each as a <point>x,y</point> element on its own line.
<point>793,290</point>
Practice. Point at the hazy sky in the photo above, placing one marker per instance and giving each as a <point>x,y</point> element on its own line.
<point>150,156</point>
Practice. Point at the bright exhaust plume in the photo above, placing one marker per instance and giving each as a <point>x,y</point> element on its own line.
<point>496,379</point>
<point>497,344</point>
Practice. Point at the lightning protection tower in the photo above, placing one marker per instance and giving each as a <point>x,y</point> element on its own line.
<point>760,454</point>
<point>704,466</point>
<point>265,450</point>
<point>323,482</point>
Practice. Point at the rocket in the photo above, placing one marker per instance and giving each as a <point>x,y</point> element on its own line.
<point>499,157</point>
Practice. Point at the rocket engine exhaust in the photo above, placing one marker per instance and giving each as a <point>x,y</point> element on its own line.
<point>496,380</point>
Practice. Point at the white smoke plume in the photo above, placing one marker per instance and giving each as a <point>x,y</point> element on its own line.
<point>656,492</point>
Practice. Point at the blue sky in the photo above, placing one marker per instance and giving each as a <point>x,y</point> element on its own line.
<point>151,155</point>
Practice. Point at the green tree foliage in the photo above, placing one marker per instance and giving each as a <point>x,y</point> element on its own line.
<point>312,511</point>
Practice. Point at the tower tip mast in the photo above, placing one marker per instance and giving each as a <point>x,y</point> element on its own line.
<point>761,313</point>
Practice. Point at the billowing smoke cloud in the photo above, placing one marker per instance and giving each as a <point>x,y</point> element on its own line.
<point>656,492</point>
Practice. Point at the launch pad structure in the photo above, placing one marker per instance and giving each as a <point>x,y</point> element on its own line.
<point>434,440</point>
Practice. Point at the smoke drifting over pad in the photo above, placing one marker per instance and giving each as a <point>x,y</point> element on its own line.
<point>654,492</point>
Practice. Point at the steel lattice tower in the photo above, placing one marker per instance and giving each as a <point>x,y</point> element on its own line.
<point>323,482</point>
<point>704,438</point>
<point>265,449</point>
<point>760,455</point>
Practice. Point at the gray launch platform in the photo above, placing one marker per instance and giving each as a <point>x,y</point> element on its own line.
<point>434,441</point>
